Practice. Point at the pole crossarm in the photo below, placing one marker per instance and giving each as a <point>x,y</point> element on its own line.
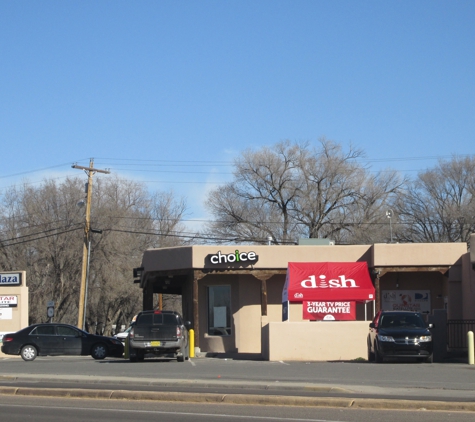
<point>90,171</point>
<point>90,168</point>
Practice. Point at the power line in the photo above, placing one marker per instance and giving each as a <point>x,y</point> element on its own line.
<point>35,171</point>
<point>168,163</point>
<point>200,163</point>
<point>42,237</point>
<point>192,237</point>
<point>38,233</point>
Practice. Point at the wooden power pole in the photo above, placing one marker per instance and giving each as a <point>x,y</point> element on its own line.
<point>87,233</point>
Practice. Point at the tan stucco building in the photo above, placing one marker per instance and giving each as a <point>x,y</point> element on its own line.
<point>233,294</point>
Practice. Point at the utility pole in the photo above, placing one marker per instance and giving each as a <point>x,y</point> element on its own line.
<point>90,171</point>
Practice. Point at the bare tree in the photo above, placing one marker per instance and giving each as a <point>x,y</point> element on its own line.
<point>257,204</point>
<point>294,190</point>
<point>439,205</point>
<point>42,232</point>
<point>331,183</point>
<point>47,226</point>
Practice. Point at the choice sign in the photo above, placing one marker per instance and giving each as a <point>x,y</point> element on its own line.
<point>233,258</point>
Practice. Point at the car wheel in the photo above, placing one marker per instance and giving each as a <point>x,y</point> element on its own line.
<point>99,351</point>
<point>377,356</point>
<point>140,356</point>
<point>183,354</point>
<point>430,359</point>
<point>28,353</point>
<point>370,354</point>
<point>132,355</point>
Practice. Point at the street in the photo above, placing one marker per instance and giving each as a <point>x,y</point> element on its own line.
<point>412,381</point>
<point>20,409</point>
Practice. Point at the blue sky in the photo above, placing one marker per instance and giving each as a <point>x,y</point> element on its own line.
<point>169,92</point>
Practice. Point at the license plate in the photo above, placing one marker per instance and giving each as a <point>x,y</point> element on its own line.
<point>154,343</point>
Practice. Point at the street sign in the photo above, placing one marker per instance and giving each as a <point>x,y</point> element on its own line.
<point>50,312</point>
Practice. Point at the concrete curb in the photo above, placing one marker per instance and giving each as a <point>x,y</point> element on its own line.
<point>244,399</point>
<point>164,382</point>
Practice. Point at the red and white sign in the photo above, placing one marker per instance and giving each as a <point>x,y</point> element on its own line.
<point>328,281</point>
<point>8,301</point>
<point>406,300</point>
<point>329,311</point>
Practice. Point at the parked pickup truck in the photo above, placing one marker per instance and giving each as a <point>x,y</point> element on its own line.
<point>162,333</point>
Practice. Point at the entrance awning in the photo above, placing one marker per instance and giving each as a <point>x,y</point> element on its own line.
<point>328,281</point>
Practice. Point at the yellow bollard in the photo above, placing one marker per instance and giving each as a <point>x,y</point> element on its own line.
<point>191,339</point>
<point>471,357</point>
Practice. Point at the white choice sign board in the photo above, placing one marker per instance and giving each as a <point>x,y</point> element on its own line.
<point>406,300</point>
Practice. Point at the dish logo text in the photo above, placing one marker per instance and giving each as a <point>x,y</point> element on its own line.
<point>323,283</point>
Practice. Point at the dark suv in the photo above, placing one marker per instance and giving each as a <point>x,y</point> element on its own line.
<point>162,333</point>
<point>399,334</point>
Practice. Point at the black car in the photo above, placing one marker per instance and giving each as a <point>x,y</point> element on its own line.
<point>59,339</point>
<point>399,334</point>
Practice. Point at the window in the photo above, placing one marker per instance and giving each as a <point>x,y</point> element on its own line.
<point>67,331</point>
<point>219,310</point>
<point>44,330</point>
<point>145,319</point>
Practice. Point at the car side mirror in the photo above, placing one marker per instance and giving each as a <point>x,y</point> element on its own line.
<point>371,325</point>
<point>187,324</point>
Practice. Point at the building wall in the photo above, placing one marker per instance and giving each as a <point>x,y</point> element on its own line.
<point>317,341</point>
<point>247,315</point>
<point>417,254</point>
<point>276,257</point>
<point>468,288</point>
<point>254,333</point>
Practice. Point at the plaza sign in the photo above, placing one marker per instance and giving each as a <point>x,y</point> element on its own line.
<point>10,279</point>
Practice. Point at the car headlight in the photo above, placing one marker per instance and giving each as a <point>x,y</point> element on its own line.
<point>423,339</point>
<point>385,338</point>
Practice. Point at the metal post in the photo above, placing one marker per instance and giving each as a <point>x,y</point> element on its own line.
<point>191,340</point>
<point>389,214</point>
<point>471,358</point>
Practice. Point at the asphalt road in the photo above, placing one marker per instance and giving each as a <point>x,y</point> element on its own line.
<point>447,383</point>
<point>48,409</point>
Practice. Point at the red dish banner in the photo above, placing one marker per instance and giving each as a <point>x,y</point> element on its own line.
<point>328,281</point>
<point>329,311</point>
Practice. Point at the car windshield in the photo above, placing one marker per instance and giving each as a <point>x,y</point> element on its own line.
<point>402,321</point>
